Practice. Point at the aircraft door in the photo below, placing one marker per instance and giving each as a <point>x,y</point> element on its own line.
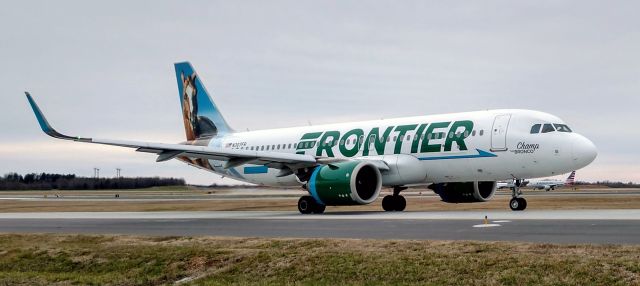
<point>499,132</point>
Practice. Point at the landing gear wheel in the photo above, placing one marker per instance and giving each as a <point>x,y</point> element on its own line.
<point>400,203</point>
<point>388,203</point>
<point>523,204</point>
<point>318,208</point>
<point>514,204</point>
<point>394,203</point>
<point>306,204</point>
<point>518,204</point>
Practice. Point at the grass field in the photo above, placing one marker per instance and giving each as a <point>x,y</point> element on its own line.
<point>290,204</point>
<point>206,199</point>
<point>129,260</point>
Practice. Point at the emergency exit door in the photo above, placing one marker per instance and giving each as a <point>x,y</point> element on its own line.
<point>499,132</point>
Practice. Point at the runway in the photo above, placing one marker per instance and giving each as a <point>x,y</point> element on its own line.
<point>549,226</point>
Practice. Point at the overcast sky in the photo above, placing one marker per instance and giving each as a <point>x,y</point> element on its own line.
<point>105,69</point>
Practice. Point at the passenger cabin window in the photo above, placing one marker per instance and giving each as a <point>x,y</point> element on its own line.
<point>535,129</point>
<point>546,128</point>
<point>562,128</point>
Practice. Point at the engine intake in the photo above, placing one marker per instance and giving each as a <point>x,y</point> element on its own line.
<point>345,183</point>
<point>467,192</point>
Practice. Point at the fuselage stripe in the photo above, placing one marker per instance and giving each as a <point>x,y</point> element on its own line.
<point>256,170</point>
<point>481,154</point>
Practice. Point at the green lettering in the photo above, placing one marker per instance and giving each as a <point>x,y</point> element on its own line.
<point>402,130</point>
<point>307,142</point>
<point>356,146</point>
<point>325,144</point>
<point>430,134</point>
<point>458,137</point>
<point>379,142</point>
<point>416,139</point>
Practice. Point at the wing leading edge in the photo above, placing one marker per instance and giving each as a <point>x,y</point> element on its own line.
<point>169,151</point>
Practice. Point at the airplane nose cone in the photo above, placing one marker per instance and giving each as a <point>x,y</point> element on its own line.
<point>584,151</point>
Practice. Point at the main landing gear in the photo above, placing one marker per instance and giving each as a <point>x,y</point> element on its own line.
<point>396,202</point>
<point>307,205</point>
<point>517,203</point>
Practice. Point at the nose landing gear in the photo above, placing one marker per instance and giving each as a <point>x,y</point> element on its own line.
<point>517,203</point>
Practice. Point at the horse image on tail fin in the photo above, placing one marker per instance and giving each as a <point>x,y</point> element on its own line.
<point>202,119</point>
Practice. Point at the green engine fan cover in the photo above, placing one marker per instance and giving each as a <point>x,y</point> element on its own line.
<point>335,184</point>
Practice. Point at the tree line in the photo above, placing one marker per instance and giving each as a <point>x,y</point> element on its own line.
<point>611,184</point>
<point>46,181</point>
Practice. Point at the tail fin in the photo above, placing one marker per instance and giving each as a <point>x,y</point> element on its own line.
<point>571,179</point>
<point>202,119</point>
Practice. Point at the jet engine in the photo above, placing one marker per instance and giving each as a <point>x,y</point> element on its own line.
<point>466,192</point>
<point>345,183</point>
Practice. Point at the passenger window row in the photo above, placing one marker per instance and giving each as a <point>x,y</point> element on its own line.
<point>311,144</point>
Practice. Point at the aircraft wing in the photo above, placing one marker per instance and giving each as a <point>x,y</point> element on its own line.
<point>169,151</point>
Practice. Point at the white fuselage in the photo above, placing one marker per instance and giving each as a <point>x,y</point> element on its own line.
<point>546,184</point>
<point>498,145</point>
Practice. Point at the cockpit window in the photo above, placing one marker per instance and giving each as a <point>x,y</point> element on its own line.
<point>546,128</point>
<point>562,128</point>
<point>535,129</point>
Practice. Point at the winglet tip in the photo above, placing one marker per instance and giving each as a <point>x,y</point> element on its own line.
<point>44,125</point>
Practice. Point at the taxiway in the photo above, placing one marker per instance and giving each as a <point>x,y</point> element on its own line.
<point>550,226</point>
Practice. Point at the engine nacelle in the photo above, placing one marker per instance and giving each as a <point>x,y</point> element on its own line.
<point>467,192</point>
<point>345,183</point>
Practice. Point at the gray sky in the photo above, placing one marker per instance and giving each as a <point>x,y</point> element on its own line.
<point>106,70</point>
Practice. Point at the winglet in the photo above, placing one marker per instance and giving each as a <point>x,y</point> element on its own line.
<point>44,124</point>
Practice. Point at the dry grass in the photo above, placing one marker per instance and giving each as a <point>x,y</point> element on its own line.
<point>134,260</point>
<point>418,203</point>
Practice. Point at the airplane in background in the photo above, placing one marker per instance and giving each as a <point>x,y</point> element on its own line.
<point>550,184</point>
<point>510,184</point>
<point>460,156</point>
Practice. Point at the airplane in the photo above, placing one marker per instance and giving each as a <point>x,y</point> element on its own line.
<point>511,184</point>
<point>550,185</point>
<point>460,156</point>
